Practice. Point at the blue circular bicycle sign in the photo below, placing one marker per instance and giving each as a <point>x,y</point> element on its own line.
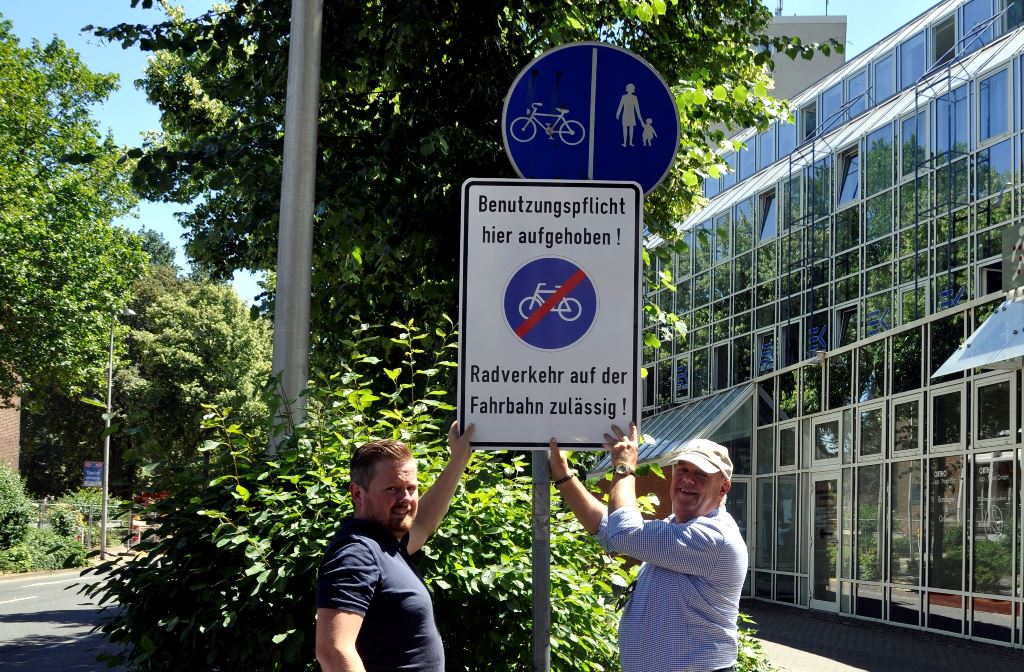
<point>550,303</point>
<point>591,111</point>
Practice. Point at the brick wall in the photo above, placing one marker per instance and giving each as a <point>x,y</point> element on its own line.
<point>10,434</point>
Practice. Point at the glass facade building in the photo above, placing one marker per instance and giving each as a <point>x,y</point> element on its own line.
<point>822,287</point>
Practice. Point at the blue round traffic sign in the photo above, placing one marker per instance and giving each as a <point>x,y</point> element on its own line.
<point>550,303</point>
<point>591,111</point>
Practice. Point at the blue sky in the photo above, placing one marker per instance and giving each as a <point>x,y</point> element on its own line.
<point>128,114</point>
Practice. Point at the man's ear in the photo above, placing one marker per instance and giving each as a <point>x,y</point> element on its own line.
<point>726,487</point>
<point>356,491</point>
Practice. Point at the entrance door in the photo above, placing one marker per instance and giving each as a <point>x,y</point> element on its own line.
<point>825,542</point>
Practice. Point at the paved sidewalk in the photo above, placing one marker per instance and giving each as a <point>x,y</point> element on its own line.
<point>800,640</point>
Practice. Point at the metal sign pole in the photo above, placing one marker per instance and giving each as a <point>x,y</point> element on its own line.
<point>541,562</point>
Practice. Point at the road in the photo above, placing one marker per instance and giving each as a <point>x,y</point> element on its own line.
<point>44,627</point>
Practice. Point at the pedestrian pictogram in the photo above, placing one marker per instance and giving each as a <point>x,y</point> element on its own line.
<point>550,303</point>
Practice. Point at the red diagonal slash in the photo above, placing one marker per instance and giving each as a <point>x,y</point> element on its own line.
<point>552,301</point>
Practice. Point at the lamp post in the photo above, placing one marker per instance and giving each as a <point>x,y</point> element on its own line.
<point>127,312</point>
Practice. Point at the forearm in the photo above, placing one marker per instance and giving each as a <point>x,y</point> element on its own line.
<point>587,508</point>
<point>340,660</point>
<point>434,503</point>
<point>623,492</point>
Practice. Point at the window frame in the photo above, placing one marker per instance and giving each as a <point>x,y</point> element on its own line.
<point>867,408</point>
<point>848,96</point>
<point>821,419</point>
<point>890,437</point>
<point>793,425</point>
<point>1008,107</point>
<point>941,390</point>
<point>875,99</point>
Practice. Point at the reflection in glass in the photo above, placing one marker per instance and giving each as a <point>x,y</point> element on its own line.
<point>786,530</point>
<point>993,99</point>
<point>945,336</point>
<point>905,523</point>
<point>826,542</point>
<point>946,419</point>
<point>787,447</point>
<point>994,411</point>
<point>906,361</point>
<point>763,585</point>
<point>871,372</point>
<point>765,451</point>
<point>946,522</point>
<point>826,440</point>
<point>906,425</point>
<point>871,432</point>
<point>869,601</point>
<point>878,166</point>
<point>840,380</point>
<point>992,527</point>
<point>812,389</point>
<point>765,526</point>
<point>846,527</point>
<point>787,396</point>
<point>905,606</point>
<point>993,619</point>
<point>869,522</point>
<point>785,588</point>
<point>736,505</point>
<point>944,612</point>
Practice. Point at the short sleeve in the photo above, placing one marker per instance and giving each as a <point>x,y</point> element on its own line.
<point>348,579</point>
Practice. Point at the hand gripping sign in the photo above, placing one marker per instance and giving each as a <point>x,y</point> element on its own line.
<point>549,311</point>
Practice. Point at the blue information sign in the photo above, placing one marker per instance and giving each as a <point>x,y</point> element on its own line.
<point>93,474</point>
<point>550,303</point>
<point>591,111</point>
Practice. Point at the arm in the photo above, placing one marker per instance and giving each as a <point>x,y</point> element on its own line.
<point>336,633</point>
<point>689,548</point>
<point>435,502</point>
<point>588,509</point>
<point>624,450</point>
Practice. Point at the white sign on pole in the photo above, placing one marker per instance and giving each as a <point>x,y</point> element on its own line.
<point>549,306</point>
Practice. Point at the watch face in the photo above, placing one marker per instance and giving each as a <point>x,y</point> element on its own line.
<point>622,469</point>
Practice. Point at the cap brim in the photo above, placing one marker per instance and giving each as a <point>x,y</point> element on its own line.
<point>699,461</point>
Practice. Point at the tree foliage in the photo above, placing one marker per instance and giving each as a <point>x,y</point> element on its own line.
<point>410,101</point>
<point>64,269</point>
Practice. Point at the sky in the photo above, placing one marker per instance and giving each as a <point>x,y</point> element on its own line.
<point>127,113</point>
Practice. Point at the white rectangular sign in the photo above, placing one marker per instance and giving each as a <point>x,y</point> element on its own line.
<point>549,311</point>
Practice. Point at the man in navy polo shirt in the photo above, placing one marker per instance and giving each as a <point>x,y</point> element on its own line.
<point>373,610</point>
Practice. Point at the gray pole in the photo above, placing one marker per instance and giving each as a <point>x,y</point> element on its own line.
<point>106,443</point>
<point>541,562</point>
<point>295,232</point>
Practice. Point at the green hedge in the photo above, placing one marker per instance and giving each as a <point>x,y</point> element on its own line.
<point>15,511</point>
<point>43,550</point>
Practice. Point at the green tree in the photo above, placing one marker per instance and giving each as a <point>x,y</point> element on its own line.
<point>410,102</point>
<point>64,268</point>
<point>194,343</point>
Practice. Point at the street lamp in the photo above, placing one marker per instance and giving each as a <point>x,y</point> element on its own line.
<point>127,312</point>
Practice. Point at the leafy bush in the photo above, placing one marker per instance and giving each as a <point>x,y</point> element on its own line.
<point>15,514</point>
<point>43,550</point>
<point>65,520</point>
<point>229,583</point>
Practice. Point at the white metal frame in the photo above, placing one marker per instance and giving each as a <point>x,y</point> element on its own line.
<point>1009,379</point>
<point>942,390</point>
<point>899,400</point>
<point>880,407</point>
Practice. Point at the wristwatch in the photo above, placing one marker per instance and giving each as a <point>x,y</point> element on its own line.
<point>624,470</point>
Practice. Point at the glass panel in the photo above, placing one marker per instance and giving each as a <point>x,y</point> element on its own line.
<point>884,79</point>
<point>850,185</point>
<point>871,371</point>
<point>763,585</point>
<point>831,101</point>
<point>905,523</point>
<point>946,418</point>
<point>846,530</point>
<point>879,166</point>
<point>787,447</point>
<point>840,380</point>
<point>682,378</point>
<point>765,450</point>
<point>975,12</point>
<point>869,601</point>
<point>878,216</point>
<point>912,60</point>
<point>765,353</point>
<point>946,522</point>
<point>826,540</point>
<point>951,128</point>
<point>737,505</point>
<point>765,526</point>
<point>787,139</point>
<point>740,360</point>
<point>904,606</point>
<point>994,411</point>
<point>945,336</point>
<point>906,425</point>
<point>787,396</point>
<point>766,148</point>
<point>856,87</point>
<point>906,361</point>
<point>993,101</point>
<point>812,389</point>
<point>769,217</point>
<point>992,529</point>
<point>945,612</point>
<point>785,588</point>
<point>871,432</point>
<point>785,554</point>
<point>993,619</point>
<point>913,135</point>
<point>826,440</point>
<point>723,239</point>
<point>744,225</point>
<point>869,522</point>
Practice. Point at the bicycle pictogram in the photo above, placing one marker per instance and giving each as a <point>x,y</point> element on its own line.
<point>569,131</point>
<point>569,309</point>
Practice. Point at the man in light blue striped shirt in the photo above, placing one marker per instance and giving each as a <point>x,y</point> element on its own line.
<point>681,616</point>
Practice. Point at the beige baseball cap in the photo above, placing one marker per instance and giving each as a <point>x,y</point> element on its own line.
<point>708,456</point>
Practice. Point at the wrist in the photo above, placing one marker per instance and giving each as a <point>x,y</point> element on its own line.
<point>568,476</point>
